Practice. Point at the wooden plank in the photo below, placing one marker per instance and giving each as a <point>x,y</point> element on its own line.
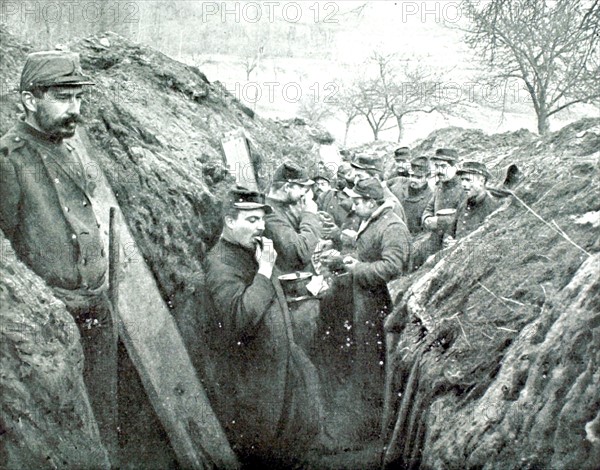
<point>237,158</point>
<point>156,348</point>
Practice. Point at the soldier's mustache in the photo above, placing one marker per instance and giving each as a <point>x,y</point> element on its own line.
<point>73,119</point>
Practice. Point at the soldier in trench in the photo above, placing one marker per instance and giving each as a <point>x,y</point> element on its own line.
<point>381,254</point>
<point>448,194</point>
<point>47,212</point>
<point>264,388</point>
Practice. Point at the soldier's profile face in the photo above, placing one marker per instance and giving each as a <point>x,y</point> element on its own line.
<point>295,191</point>
<point>58,111</point>
<point>247,227</point>
<point>360,174</point>
<point>363,207</point>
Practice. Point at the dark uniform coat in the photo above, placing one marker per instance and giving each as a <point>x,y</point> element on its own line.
<point>383,249</point>
<point>414,202</point>
<point>329,202</point>
<point>295,235</point>
<point>46,190</point>
<point>46,209</point>
<point>263,387</point>
<point>446,195</point>
<point>472,212</point>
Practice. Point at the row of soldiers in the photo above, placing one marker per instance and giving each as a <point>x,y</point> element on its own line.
<point>359,231</point>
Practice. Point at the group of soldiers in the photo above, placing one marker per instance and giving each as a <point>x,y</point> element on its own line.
<point>354,231</point>
<point>357,231</point>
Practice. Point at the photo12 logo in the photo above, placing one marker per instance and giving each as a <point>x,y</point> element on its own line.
<point>290,92</point>
<point>69,11</point>
<point>254,12</point>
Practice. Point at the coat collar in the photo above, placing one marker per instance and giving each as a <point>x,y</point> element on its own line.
<point>385,207</point>
<point>27,129</point>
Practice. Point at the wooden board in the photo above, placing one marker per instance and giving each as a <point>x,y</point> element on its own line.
<point>237,159</point>
<point>156,349</point>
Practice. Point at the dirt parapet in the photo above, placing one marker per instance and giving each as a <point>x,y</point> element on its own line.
<point>496,353</point>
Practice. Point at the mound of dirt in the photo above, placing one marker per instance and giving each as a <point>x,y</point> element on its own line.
<point>45,417</point>
<point>497,348</point>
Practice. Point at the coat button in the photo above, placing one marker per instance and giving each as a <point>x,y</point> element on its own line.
<point>66,209</point>
<point>17,139</point>
<point>73,236</point>
<point>84,203</point>
<point>56,180</point>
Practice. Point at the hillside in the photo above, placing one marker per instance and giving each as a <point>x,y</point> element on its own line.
<point>496,353</point>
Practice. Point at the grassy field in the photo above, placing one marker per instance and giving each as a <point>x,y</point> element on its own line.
<point>278,85</point>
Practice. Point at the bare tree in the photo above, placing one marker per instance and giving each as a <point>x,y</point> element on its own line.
<point>370,104</point>
<point>552,47</point>
<point>314,111</point>
<point>344,101</point>
<point>251,59</point>
<point>410,88</point>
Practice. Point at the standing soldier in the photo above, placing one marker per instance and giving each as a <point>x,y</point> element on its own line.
<point>294,224</point>
<point>381,254</point>
<point>401,168</point>
<point>416,195</point>
<point>448,194</point>
<point>264,388</point>
<point>478,204</point>
<point>47,212</point>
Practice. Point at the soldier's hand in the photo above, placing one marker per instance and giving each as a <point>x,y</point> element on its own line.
<point>431,223</point>
<point>326,218</point>
<point>308,202</point>
<point>350,263</point>
<point>330,232</point>
<point>265,256</point>
<point>348,237</point>
<point>449,241</point>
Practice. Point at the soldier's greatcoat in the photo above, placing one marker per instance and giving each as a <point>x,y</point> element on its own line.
<point>472,212</point>
<point>263,386</point>
<point>383,250</point>
<point>295,234</point>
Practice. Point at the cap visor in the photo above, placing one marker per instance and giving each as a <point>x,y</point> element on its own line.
<point>303,182</point>
<point>472,172</point>
<point>352,193</point>
<point>246,206</point>
<point>72,80</point>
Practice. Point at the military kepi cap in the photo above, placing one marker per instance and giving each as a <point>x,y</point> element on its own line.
<point>446,155</point>
<point>419,167</point>
<point>290,172</point>
<point>246,199</point>
<point>477,168</point>
<point>367,162</point>
<point>53,68</point>
<point>369,188</point>
<point>402,153</point>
